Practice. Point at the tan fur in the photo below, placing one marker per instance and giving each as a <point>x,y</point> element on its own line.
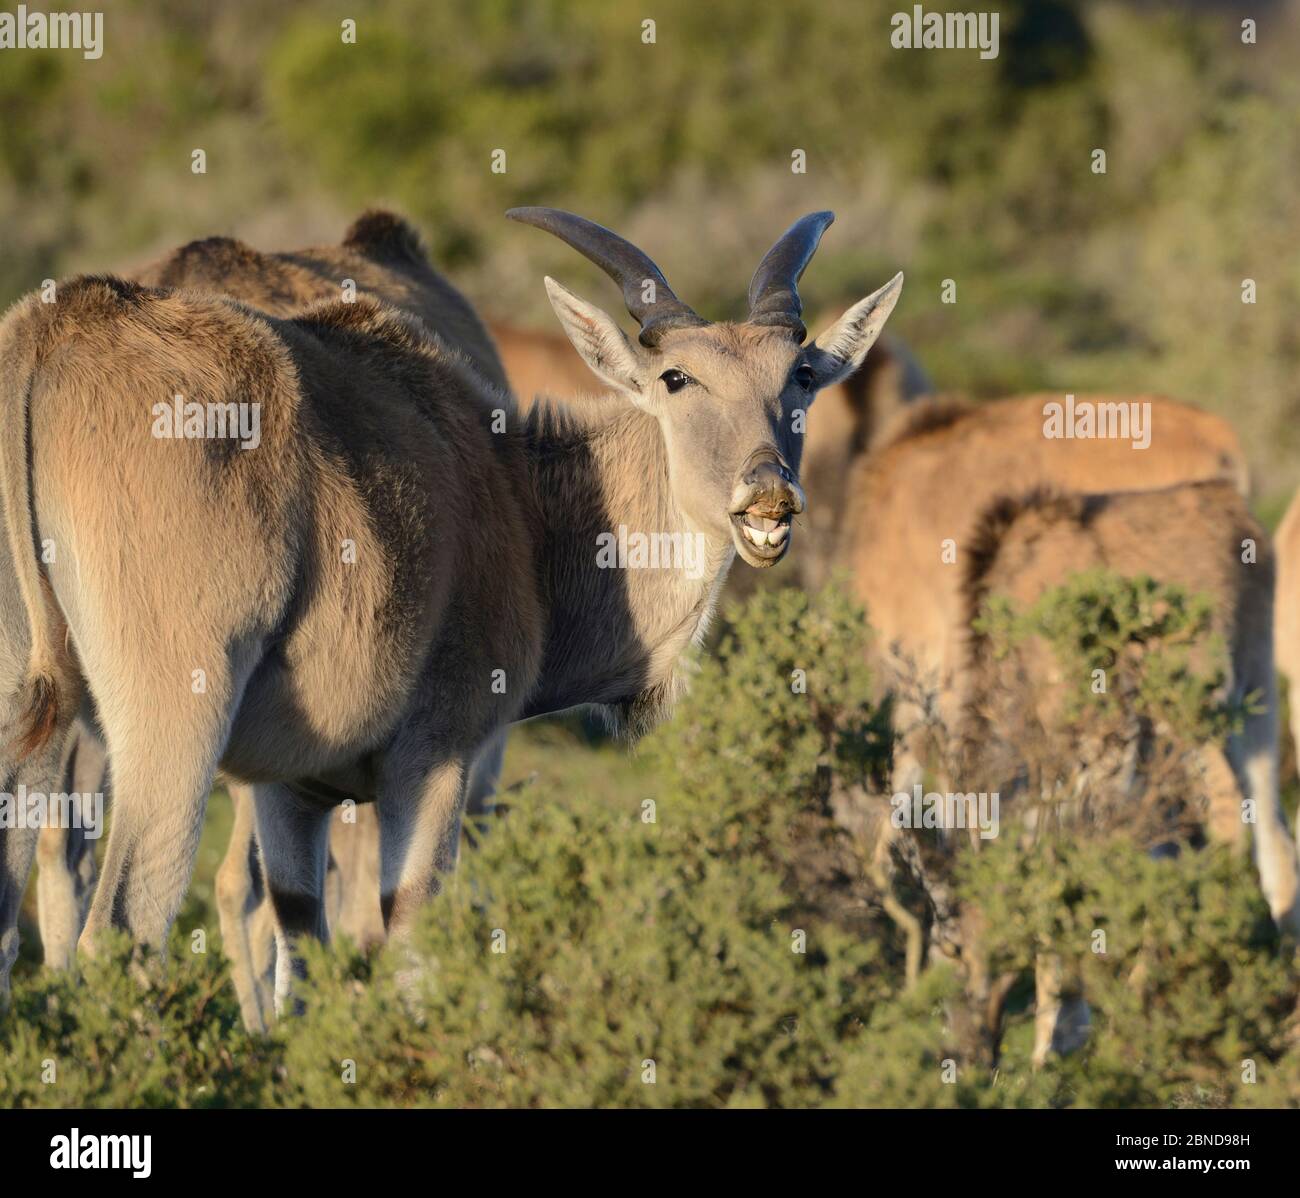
<point>932,476</point>
<point>395,271</point>
<point>846,420</point>
<point>542,363</point>
<point>358,625</point>
<point>380,253</point>
<point>843,425</point>
<point>935,473</point>
<point>352,886</point>
<point>244,908</point>
<point>245,915</point>
<point>291,473</point>
<point>326,615</point>
<point>382,256</point>
<point>66,857</point>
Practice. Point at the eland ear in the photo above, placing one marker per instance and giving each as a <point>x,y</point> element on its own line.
<point>598,339</point>
<point>840,350</point>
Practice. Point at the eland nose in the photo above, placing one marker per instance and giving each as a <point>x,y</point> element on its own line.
<point>772,487</point>
<point>769,475</point>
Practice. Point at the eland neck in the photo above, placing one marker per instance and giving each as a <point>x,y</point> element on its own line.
<point>626,581</point>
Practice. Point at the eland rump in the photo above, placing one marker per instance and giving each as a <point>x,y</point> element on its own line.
<point>380,256</point>
<point>399,569</point>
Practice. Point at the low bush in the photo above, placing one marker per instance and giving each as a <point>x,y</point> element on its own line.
<point>708,936</point>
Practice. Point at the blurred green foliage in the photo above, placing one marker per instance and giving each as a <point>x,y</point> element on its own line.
<point>943,164</point>
<point>1180,963</point>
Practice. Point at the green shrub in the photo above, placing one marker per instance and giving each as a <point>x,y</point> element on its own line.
<point>131,1035</point>
<point>780,711</point>
<point>630,933</point>
<point>1153,642</point>
<point>663,941</point>
<point>1182,968</point>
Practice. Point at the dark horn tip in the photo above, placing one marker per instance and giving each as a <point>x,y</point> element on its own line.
<point>529,214</point>
<point>628,266</point>
<point>774,290</point>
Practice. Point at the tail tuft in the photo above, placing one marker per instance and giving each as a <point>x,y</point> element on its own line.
<point>42,715</point>
<point>21,335</point>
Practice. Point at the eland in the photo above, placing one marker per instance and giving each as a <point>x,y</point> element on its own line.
<point>402,566</point>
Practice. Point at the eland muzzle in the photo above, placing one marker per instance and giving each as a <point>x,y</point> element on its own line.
<point>765,501</point>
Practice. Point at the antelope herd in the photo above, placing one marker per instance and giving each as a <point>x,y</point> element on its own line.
<point>355,610</point>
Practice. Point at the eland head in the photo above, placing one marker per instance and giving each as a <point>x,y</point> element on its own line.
<point>729,397</point>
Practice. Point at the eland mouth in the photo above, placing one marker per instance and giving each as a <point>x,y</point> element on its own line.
<point>761,534</point>
<point>763,505</point>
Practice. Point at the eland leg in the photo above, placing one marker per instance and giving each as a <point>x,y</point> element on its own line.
<point>165,738</point>
<point>65,878</point>
<point>293,834</point>
<point>247,931</point>
<point>420,812</point>
<point>1253,754</point>
<point>354,849</point>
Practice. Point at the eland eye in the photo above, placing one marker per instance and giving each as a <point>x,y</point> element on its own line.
<point>675,380</point>
<point>804,377</point>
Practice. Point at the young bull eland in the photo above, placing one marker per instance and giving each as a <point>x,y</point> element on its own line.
<point>353,607</point>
